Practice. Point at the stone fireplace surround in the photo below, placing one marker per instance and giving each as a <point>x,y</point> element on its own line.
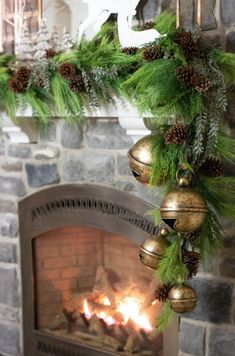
<point>95,153</point>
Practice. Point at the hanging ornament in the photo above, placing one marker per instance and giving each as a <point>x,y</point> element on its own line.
<point>182,298</point>
<point>193,237</point>
<point>177,134</point>
<point>162,292</point>
<point>212,167</point>
<point>140,158</point>
<point>153,248</point>
<point>183,209</point>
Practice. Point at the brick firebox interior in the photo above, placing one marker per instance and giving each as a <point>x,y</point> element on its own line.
<point>66,261</point>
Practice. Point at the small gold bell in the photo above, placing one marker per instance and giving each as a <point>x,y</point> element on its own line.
<point>140,159</point>
<point>152,250</point>
<point>183,209</point>
<point>182,298</point>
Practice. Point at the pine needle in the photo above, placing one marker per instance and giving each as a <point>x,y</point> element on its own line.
<point>166,318</point>
<point>171,269</point>
<point>166,22</point>
<point>226,147</point>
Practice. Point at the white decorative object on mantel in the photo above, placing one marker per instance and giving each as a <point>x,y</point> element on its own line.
<point>25,131</point>
<point>100,10</point>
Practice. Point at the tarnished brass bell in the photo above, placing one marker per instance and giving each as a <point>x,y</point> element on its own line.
<point>183,209</point>
<point>140,159</point>
<point>182,298</point>
<point>152,250</point>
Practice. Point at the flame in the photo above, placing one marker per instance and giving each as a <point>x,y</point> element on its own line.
<point>128,306</point>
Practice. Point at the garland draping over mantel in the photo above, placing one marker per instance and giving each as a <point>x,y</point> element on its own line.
<point>182,82</point>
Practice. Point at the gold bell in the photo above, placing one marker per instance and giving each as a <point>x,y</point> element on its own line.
<point>152,250</point>
<point>182,298</point>
<point>140,159</point>
<point>183,209</point>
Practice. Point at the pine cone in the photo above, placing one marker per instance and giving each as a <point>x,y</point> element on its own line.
<point>201,83</point>
<point>67,71</point>
<point>176,134</point>
<point>77,84</point>
<point>191,48</point>
<point>130,50</point>
<point>16,86</point>
<point>152,53</point>
<point>39,82</point>
<point>162,292</point>
<point>212,167</point>
<point>23,74</point>
<point>193,237</point>
<point>50,53</point>
<point>192,261</point>
<point>148,26</point>
<point>186,74</point>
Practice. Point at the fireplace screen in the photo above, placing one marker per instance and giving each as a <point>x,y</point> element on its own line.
<point>91,288</point>
<point>85,292</point>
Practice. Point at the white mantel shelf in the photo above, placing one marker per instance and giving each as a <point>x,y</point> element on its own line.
<point>25,130</point>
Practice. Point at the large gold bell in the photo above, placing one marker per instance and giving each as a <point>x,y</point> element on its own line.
<point>140,159</point>
<point>182,298</point>
<point>183,209</point>
<point>152,250</point>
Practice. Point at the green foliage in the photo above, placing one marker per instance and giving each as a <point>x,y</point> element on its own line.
<point>40,107</point>
<point>67,102</point>
<point>226,62</point>
<point>166,317</point>
<point>166,160</point>
<point>211,237</point>
<point>226,147</point>
<point>220,194</point>
<point>171,269</point>
<point>166,23</point>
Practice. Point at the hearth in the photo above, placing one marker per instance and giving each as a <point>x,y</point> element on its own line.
<point>84,290</point>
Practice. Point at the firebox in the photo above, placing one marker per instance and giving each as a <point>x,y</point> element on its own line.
<point>85,293</point>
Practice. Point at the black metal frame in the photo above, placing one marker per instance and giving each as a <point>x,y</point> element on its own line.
<point>66,206</point>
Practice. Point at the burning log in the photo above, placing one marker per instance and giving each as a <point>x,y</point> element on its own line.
<point>97,326</point>
<point>60,322</point>
<point>133,344</point>
<point>113,343</point>
<point>107,309</point>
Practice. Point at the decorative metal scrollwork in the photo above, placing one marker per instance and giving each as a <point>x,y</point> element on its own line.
<point>102,206</point>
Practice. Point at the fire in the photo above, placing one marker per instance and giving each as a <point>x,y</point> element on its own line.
<point>128,306</point>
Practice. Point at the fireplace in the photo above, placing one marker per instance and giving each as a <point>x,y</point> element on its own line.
<point>81,273</point>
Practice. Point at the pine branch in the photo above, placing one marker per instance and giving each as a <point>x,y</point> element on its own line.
<point>226,147</point>
<point>171,269</point>
<point>166,318</point>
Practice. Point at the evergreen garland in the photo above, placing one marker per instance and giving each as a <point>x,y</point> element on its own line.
<point>177,85</point>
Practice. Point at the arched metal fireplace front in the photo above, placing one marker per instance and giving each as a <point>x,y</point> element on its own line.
<point>66,206</point>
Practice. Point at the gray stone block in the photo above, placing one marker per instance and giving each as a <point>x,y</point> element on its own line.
<point>41,175</point>
<point>7,252</point>
<point>126,186</point>
<point>19,151</point>
<point>46,153</point>
<point>12,186</point>
<point>89,167</point>
<point>227,266</point>
<point>151,195</point>
<point>221,342</point>
<point>187,13</point>
<point>48,133</point>
<point>72,136</point>
<point>123,166</point>
<point>15,166</point>
<point>9,313</point>
<point>192,339</point>
<point>147,10</point>
<point>230,41</point>
<point>8,206</point>
<point>214,301</point>
<point>107,135</point>
<point>9,225</point>
<point>227,9</point>
<point>9,293</point>
<point>208,18</point>
<point>9,339</point>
